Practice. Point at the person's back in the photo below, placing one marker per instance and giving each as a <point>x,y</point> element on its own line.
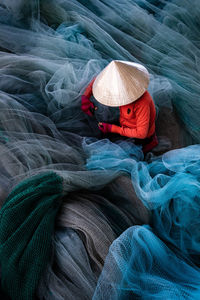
<point>137,119</point>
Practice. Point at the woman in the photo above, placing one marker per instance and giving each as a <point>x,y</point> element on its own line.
<point>124,84</point>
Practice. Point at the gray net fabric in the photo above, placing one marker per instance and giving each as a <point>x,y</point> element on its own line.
<point>92,222</point>
<point>49,52</point>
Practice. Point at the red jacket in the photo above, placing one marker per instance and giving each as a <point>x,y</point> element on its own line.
<point>88,90</point>
<point>137,120</point>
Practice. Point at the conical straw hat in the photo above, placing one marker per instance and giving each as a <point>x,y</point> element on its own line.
<point>120,83</point>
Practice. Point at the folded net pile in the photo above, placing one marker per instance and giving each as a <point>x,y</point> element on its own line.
<point>84,217</point>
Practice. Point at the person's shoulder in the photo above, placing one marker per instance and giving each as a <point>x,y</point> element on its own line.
<point>145,99</point>
<point>147,96</point>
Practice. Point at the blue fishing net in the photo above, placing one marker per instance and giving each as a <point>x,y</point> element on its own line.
<point>49,52</point>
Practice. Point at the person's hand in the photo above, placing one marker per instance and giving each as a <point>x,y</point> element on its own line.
<point>87,106</point>
<point>105,127</point>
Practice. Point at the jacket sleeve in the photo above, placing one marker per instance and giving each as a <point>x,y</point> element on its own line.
<point>88,90</point>
<point>140,131</point>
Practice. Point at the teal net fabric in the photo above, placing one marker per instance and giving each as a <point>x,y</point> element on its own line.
<point>49,52</point>
<point>140,266</point>
<point>161,260</point>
